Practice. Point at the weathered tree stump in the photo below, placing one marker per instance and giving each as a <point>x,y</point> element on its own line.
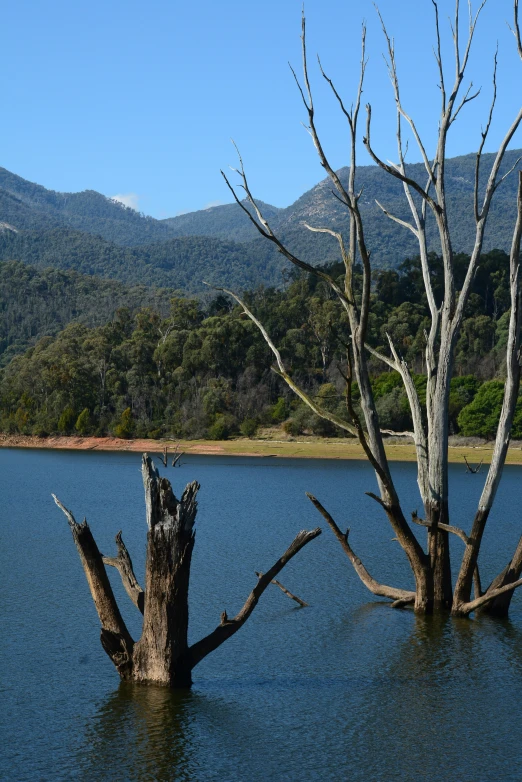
<point>162,655</point>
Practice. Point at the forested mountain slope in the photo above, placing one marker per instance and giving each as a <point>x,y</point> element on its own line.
<point>95,235</point>
<point>28,206</point>
<point>182,263</point>
<point>34,303</point>
<point>390,243</point>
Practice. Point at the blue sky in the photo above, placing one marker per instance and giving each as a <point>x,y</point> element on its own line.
<point>141,99</point>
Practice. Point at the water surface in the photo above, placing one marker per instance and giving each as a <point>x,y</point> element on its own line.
<point>346,689</point>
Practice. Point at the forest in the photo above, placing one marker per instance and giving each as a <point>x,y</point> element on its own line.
<point>109,359</point>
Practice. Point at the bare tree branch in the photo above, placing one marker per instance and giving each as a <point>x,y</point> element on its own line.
<point>311,118</point>
<point>467,98</point>
<point>419,436</point>
<point>347,259</point>
<point>378,500</point>
<point>265,230</point>
<point>404,223</point>
<point>438,57</point>
<point>390,362</point>
<point>467,608</point>
<point>446,527</point>
<point>484,135</point>
<point>511,389</point>
<point>374,586</point>
<point>393,171</point>
<point>123,563</point>
<point>392,70</point>
<point>473,470</point>
<point>229,626</point>
<point>406,601</point>
<point>281,370</point>
<point>516,30</point>
<point>115,638</point>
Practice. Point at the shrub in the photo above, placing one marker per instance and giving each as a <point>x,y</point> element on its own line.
<point>83,422</point>
<point>125,427</point>
<point>66,421</point>
<point>249,427</point>
<point>278,411</point>
<point>480,417</point>
<point>222,428</point>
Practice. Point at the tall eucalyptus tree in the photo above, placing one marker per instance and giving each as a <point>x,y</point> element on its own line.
<point>431,565</point>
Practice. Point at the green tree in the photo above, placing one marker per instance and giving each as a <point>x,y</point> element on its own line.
<point>125,427</point>
<point>66,421</point>
<point>83,422</point>
<point>480,417</point>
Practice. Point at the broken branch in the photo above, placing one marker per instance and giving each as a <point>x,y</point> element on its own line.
<point>286,591</point>
<point>123,564</point>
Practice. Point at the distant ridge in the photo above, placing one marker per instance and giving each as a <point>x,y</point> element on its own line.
<point>96,235</point>
<point>181,263</point>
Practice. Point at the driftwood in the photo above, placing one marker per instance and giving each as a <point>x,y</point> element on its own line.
<point>162,655</point>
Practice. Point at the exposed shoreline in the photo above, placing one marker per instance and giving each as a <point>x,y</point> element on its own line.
<point>313,448</point>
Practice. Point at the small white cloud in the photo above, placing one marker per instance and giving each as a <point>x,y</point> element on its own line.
<point>127,199</point>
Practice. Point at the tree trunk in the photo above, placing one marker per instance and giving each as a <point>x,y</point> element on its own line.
<point>438,545</point>
<point>170,542</point>
<point>162,655</point>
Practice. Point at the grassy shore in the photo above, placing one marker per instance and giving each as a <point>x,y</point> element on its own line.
<point>306,448</point>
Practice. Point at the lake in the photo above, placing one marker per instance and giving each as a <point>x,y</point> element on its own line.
<point>347,689</point>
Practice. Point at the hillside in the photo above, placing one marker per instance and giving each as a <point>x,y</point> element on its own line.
<point>178,263</point>
<point>37,303</point>
<point>389,242</point>
<point>204,370</point>
<point>95,235</point>
<point>29,206</point>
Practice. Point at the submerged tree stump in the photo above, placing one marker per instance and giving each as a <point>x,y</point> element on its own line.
<point>162,655</point>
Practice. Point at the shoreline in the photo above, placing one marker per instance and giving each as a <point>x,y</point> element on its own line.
<point>314,448</point>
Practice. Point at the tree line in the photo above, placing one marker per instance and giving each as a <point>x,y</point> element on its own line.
<point>202,370</point>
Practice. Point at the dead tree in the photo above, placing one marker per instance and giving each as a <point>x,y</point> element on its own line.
<point>430,564</point>
<point>176,456</point>
<point>162,655</point>
<point>473,470</point>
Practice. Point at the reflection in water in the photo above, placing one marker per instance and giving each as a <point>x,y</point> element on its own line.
<point>418,711</point>
<point>439,709</point>
<point>141,733</point>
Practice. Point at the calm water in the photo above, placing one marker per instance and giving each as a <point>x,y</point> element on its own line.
<point>347,689</point>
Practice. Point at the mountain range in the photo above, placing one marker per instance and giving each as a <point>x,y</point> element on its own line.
<point>92,234</point>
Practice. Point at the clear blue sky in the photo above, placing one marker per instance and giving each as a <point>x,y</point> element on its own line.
<point>141,98</point>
